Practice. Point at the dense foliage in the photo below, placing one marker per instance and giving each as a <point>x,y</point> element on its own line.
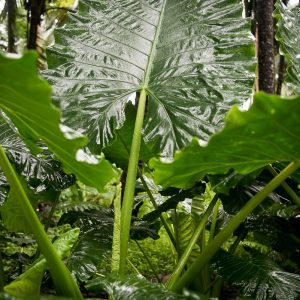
<point>130,164</point>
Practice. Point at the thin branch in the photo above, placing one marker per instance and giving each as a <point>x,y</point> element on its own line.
<point>11,25</point>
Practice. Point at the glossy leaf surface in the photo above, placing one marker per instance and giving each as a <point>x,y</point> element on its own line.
<point>249,141</point>
<point>25,98</point>
<point>257,276</point>
<point>135,288</point>
<point>288,25</point>
<point>194,58</point>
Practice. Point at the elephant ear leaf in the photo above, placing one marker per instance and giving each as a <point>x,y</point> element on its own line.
<point>193,58</point>
<point>257,276</point>
<point>288,25</point>
<point>25,99</point>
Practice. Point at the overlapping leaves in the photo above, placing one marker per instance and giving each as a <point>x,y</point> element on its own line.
<point>25,98</point>
<point>257,276</point>
<point>249,141</point>
<point>194,58</point>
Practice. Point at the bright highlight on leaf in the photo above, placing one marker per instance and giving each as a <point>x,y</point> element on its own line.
<point>25,98</point>
<point>194,58</point>
<point>268,132</point>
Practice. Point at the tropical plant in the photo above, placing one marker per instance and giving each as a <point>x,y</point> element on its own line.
<point>185,66</point>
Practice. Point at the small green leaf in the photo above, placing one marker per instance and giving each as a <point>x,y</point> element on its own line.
<point>25,98</point>
<point>27,285</point>
<point>267,133</point>
<point>257,276</point>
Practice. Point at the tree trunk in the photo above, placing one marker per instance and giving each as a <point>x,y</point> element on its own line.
<point>11,25</point>
<point>265,36</point>
<point>37,8</point>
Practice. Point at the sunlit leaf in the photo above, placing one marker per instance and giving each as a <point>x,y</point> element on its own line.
<point>25,98</point>
<point>267,133</point>
<point>194,58</point>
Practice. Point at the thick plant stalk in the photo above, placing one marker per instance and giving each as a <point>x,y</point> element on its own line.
<point>265,36</point>
<point>63,281</point>
<point>188,250</point>
<point>115,256</point>
<point>11,25</point>
<point>220,238</point>
<point>130,182</point>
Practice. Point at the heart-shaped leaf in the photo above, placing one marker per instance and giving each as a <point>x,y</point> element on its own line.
<point>194,58</point>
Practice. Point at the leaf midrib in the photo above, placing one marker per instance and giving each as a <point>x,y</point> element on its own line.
<point>153,48</point>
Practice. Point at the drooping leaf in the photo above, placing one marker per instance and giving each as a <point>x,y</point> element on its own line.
<point>194,58</point>
<point>25,99</point>
<point>249,141</point>
<point>37,170</point>
<point>287,33</point>
<point>27,285</point>
<point>135,288</point>
<point>257,276</point>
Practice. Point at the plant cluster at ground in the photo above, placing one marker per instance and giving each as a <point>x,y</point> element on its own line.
<point>149,150</point>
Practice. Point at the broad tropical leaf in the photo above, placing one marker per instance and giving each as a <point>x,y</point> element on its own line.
<point>25,99</point>
<point>249,141</point>
<point>135,288</point>
<point>194,58</point>
<point>257,276</point>
<point>288,25</point>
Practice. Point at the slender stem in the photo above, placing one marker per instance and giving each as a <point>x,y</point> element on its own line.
<point>162,217</point>
<point>214,222</point>
<point>222,236</point>
<point>148,260</point>
<point>63,281</point>
<point>130,182</point>
<point>145,185</point>
<point>286,187</point>
<point>187,252</point>
<point>115,256</point>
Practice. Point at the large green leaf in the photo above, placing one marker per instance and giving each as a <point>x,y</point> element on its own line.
<point>25,98</point>
<point>194,58</point>
<point>288,26</point>
<point>257,276</point>
<point>268,132</point>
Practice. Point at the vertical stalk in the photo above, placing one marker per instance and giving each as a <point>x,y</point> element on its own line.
<point>63,281</point>
<point>214,222</point>
<point>115,256</point>
<point>130,182</point>
<point>2,281</point>
<point>188,250</point>
<point>265,36</point>
<point>223,235</point>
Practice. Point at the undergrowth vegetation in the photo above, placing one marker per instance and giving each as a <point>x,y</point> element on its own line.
<point>152,155</point>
